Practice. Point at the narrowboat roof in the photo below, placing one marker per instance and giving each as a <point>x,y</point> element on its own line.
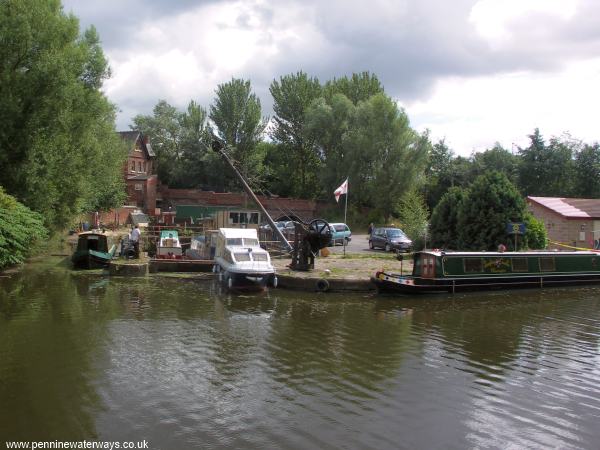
<point>238,232</point>
<point>91,233</point>
<point>511,254</point>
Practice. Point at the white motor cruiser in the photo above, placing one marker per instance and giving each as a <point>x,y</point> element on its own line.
<point>241,262</point>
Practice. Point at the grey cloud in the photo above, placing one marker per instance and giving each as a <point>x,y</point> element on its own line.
<point>408,46</point>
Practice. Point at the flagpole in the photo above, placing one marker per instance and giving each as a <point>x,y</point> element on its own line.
<point>346,210</point>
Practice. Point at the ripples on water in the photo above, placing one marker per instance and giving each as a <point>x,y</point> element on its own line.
<point>180,364</point>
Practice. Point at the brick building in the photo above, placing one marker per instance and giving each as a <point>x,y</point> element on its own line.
<point>141,183</point>
<point>571,221</point>
<point>145,194</point>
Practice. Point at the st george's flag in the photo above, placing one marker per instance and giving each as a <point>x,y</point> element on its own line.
<point>343,189</point>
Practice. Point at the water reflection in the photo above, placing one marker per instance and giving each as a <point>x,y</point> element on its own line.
<point>183,364</point>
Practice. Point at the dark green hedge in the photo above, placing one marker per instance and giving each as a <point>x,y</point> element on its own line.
<point>20,230</point>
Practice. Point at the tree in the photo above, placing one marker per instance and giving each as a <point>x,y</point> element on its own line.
<point>181,141</point>
<point>236,114</point>
<point>292,95</point>
<point>536,236</point>
<point>359,87</point>
<point>59,152</point>
<point>586,182</point>
<point>491,202</point>
<point>20,230</point>
<point>547,170</point>
<point>413,213</point>
<point>328,125</point>
<point>443,226</point>
<point>387,157</point>
<point>497,159</point>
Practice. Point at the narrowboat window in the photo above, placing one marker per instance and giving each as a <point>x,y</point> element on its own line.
<point>259,257</point>
<point>418,264</point>
<point>242,256</point>
<point>234,241</point>
<point>547,264</point>
<point>520,265</point>
<point>473,265</point>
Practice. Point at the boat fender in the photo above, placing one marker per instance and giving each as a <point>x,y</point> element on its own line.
<point>229,282</point>
<point>322,285</point>
<point>274,281</point>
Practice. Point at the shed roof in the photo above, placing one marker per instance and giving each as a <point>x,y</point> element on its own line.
<point>571,208</point>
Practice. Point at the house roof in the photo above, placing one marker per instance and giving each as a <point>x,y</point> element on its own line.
<point>571,208</point>
<point>131,137</point>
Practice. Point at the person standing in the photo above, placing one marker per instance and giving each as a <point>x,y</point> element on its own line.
<point>370,229</point>
<point>135,240</point>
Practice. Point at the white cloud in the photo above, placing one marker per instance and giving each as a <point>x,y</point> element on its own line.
<point>473,113</point>
<point>492,18</point>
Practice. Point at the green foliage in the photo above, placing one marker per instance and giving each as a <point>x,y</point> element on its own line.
<point>413,215</point>
<point>443,226</point>
<point>547,169</point>
<point>20,230</point>
<point>386,157</point>
<point>491,202</point>
<point>236,114</point>
<point>587,167</point>
<point>359,87</point>
<point>58,150</point>
<point>181,143</point>
<point>299,170</point>
<point>536,237</point>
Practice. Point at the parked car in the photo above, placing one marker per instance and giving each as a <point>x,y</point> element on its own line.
<point>389,239</point>
<point>340,231</point>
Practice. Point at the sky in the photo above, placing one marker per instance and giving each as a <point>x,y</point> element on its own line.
<point>472,72</point>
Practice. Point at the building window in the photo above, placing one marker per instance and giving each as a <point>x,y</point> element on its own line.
<point>143,166</point>
<point>132,166</point>
<point>139,166</point>
<point>234,217</point>
<point>138,186</point>
<point>254,218</point>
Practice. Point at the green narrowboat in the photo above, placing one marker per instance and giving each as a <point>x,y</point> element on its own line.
<point>440,271</point>
<point>94,251</point>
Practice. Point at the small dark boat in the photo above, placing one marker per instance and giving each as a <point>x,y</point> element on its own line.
<point>94,251</point>
<point>439,271</point>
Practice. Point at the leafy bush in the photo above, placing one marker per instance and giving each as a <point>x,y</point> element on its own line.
<point>20,230</point>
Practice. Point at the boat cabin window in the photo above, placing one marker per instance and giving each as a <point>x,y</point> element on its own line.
<point>250,242</point>
<point>473,265</point>
<point>259,257</point>
<point>242,256</point>
<point>227,257</point>
<point>547,264</point>
<point>428,270</point>
<point>234,241</point>
<point>519,265</point>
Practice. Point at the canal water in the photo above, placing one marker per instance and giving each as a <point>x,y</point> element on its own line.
<point>182,365</point>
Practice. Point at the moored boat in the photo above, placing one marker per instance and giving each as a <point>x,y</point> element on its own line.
<point>439,271</point>
<point>168,246</point>
<point>94,250</point>
<point>241,262</point>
